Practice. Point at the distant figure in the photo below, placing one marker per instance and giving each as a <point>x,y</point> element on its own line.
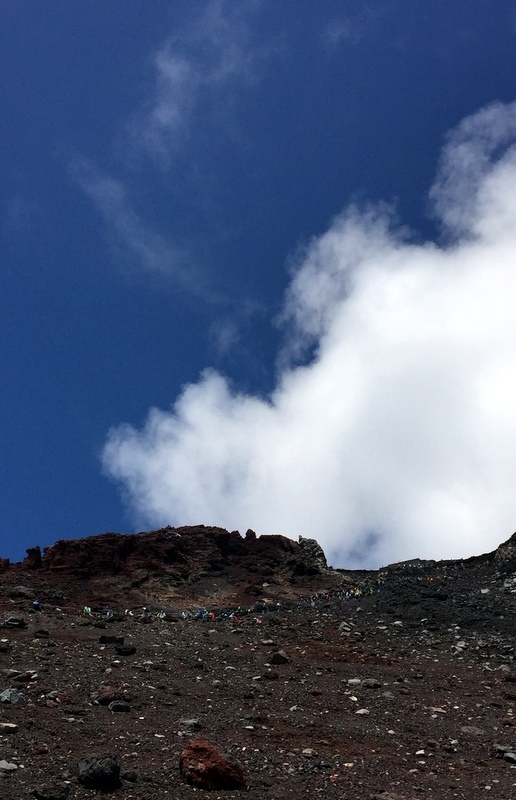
<point>36,605</point>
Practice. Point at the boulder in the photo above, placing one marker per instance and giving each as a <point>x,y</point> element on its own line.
<point>204,767</point>
<point>313,550</point>
<point>101,773</point>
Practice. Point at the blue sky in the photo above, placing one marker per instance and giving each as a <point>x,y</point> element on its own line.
<point>257,271</point>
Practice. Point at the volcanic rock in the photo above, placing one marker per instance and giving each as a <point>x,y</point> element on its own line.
<point>33,558</point>
<point>171,557</point>
<point>204,767</point>
<point>426,656</point>
<point>99,772</point>
<point>107,694</point>
<point>51,793</point>
<point>7,728</point>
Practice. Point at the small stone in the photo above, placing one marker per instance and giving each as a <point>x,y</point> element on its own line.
<point>23,677</point>
<point>188,726</point>
<point>107,694</point>
<point>51,793</point>
<point>15,622</point>
<point>119,706</point>
<point>111,639</point>
<point>8,766</point>
<point>280,657</point>
<point>7,728</point>
<point>13,697</point>
<point>125,649</point>
<point>371,683</point>
<point>499,750</point>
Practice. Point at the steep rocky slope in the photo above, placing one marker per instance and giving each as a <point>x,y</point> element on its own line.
<point>399,683</point>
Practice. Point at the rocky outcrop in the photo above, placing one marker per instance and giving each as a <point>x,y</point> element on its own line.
<point>33,558</point>
<point>181,553</point>
<point>169,567</point>
<point>505,556</point>
<point>314,552</point>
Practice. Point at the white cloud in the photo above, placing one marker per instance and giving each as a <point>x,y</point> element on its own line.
<point>398,438</point>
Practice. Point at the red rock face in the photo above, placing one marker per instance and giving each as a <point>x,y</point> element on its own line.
<point>181,551</point>
<point>204,767</point>
<point>175,564</point>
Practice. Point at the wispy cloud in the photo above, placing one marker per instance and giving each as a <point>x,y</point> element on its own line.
<point>399,437</point>
<point>195,69</point>
<point>148,250</point>
<point>348,28</point>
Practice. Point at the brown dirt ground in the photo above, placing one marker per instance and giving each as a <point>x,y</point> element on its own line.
<point>427,729</point>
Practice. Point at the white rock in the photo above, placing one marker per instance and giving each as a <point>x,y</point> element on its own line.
<point>8,766</point>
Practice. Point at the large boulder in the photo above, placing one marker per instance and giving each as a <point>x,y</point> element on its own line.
<point>204,767</point>
<point>314,552</point>
<point>101,773</point>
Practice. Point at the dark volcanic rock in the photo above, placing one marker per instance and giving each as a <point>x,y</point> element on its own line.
<point>99,772</point>
<point>33,558</point>
<point>125,649</point>
<point>51,793</point>
<point>111,639</point>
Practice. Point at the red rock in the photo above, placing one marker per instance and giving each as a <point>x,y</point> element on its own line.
<point>107,694</point>
<point>204,767</point>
